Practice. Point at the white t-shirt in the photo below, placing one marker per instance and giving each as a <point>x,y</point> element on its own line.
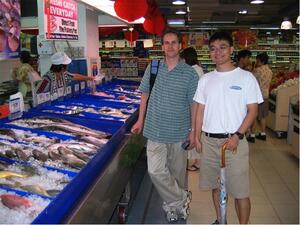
<point>225,96</point>
<point>198,70</point>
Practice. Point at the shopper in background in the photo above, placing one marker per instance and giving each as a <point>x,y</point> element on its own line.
<point>244,60</point>
<point>25,74</point>
<point>263,74</point>
<point>190,56</point>
<point>58,76</point>
<point>169,122</point>
<point>227,105</point>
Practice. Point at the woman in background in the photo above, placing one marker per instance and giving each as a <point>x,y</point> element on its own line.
<point>190,56</point>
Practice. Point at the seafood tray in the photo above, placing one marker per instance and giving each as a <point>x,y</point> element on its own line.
<point>87,112</point>
<point>33,178</point>
<point>108,126</point>
<point>18,207</point>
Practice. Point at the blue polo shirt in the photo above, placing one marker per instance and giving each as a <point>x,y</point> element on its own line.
<point>168,117</point>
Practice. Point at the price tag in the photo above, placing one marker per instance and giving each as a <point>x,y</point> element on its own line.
<point>69,90</point>
<point>82,85</point>
<point>15,105</point>
<point>47,96</point>
<point>54,96</point>
<point>76,87</point>
<point>40,98</point>
<point>60,92</point>
<point>89,84</point>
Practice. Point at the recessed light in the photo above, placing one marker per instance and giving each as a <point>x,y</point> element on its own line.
<point>257,2</point>
<point>178,2</point>
<point>176,22</point>
<point>180,12</point>
<point>243,12</point>
<point>268,33</point>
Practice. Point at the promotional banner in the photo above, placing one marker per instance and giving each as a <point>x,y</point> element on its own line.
<point>61,20</point>
<point>10,29</point>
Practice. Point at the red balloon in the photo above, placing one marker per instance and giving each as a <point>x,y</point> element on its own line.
<point>131,35</point>
<point>155,25</point>
<point>130,10</point>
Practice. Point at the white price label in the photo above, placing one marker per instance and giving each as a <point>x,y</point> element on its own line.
<point>69,90</point>
<point>15,105</point>
<point>89,84</point>
<point>40,98</point>
<point>54,96</point>
<point>76,87</point>
<point>47,96</point>
<point>60,92</point>
<point>82,85</point>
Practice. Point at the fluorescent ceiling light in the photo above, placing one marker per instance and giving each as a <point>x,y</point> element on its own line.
<point>257,2</point>
<point>176,22</point>
<point>243,12</point>
<point>217,22</point>
<point>107,6</point>
<point>264,28</point>
<point>178,2</point>
<point>180,12</point>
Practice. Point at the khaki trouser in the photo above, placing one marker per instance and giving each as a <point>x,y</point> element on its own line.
<point>167,170</point>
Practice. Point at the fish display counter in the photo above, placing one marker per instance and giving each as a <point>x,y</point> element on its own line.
<point>63,164</point>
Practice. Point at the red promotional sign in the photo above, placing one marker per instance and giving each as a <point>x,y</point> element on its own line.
<point>61,19</point>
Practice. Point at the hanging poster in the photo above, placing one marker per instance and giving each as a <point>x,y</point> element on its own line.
<point>198,39</point>
<point>10,29</point>
<point>61,20</point>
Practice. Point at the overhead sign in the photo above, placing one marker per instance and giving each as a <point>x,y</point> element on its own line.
<point>10,29</point>
<point>61,20</point>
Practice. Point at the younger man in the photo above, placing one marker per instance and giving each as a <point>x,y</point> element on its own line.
<point>227,101</point>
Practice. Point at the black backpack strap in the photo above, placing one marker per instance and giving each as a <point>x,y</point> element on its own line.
<point>153,73</point>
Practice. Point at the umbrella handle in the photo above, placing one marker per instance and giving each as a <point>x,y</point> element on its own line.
<point>224,146</point>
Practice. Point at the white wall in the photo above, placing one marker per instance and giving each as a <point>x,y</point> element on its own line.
<point>6,67</point>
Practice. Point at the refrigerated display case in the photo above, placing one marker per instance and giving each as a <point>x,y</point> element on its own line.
<point>94,191</point>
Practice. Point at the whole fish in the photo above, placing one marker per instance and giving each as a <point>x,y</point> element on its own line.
<point>8,132</point>
<point>39,155</point>
<point>21,155</point>
<point>13,201</point>
<point>73,161</point>
<point>35,189</point>
<point>3,165</point>
<point>74,130</point>
<point>54,155</point>
<point>8,174</point>
<point>92,140</point>
<point>41,140</point>
<point>53,192</point>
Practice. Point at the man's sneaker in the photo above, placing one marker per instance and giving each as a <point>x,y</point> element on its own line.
<point>171,213</point>
<point>261,136</point>
<point>172,216</point>
<point>251,138</point>
<point>188,196</point>
<point>216,222</point>
<point>184,212</point>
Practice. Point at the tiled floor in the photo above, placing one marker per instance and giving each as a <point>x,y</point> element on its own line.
<point>274,188</point>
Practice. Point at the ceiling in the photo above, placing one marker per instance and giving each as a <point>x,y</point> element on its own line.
<point>269,14</point>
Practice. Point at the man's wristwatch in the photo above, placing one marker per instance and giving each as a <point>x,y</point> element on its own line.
<point>240,135</point>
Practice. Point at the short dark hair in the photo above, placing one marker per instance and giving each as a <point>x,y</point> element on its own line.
<point>243,53</point>
<point>221,35</point>
<point>56,68</point>
<point>171,31</point>
<point>263,57</point>
<point>25,56</point>
<point>190,56</point>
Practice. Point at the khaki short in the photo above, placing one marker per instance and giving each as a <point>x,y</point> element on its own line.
<point>263,109</point>
<point>237,167</point>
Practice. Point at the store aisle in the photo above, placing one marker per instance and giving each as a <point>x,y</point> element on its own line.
<point>274,187</point>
